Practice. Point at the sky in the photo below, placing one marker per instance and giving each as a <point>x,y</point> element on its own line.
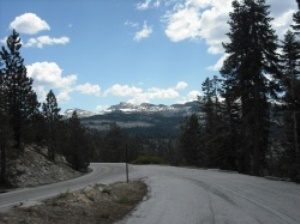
<point>98,53</point>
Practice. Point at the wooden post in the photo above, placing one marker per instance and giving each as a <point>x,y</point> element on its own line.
<point>126,162</point>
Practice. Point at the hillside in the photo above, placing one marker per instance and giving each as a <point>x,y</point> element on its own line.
<point>34,169</point>
<point>141,119</point>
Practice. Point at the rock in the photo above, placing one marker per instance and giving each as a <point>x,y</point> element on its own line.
<point>86,190</point>
<point>29,204</point>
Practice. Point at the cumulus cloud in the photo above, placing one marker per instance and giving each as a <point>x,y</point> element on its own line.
<point>145,32</point>
<point>89,89</point>
<point>122,90</point>
<point>64,96</point>
<point>139,95</point>
<point>199,19</point>
<point>191,96</point>
<point>207,20</point>
<point>29,23</point>
<point>181,85</point>
<point>46,40</point>
<point>49,74</point>
<point>182,24</point>
<point>154,93</point>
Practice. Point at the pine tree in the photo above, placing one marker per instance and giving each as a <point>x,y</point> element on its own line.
<point>252,56</point>
<point>190,141</point>
<point>77,150</point>
<point>21,99</point>
<point>114,144</point>
<point>291,81</point>
<point>52,116</point>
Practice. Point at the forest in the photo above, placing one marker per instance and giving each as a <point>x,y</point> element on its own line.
<point>251,112</point>
<point>248,119</point>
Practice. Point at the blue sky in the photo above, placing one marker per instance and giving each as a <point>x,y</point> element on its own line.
<point>97,53</point>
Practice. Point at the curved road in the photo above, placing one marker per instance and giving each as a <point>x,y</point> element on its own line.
<point>182,195</point>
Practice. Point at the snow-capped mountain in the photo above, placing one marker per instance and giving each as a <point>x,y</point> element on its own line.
<point>139,119</point>
<point>186,108</point>
<point>80,113</point>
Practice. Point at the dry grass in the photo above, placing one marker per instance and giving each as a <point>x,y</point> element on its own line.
<point>96,204</point>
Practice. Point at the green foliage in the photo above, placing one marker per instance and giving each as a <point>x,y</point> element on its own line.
<point>77,151</point>
<point>126,201</point>
<point>5,141</point>
<point>149,160</point>
<point>252,54</point>
<point>52,117</point>
<point>190,140</point>
<point>16,87</point>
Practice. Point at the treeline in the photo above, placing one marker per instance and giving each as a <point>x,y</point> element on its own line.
<point>249,119</point>
<point>24,120</point>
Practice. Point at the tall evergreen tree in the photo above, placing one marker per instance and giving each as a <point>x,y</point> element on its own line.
<point>251,57</point>
<point>114,144</point>
<point>5,130</point>
<point>190,141</point>
<point>77,150</point>
<point>17,87</point>
<point>52,116</point>
<point>291,81</point>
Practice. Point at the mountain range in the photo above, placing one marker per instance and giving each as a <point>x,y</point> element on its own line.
<point>139,119</point>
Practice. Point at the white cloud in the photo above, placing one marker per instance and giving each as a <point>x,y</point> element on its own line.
<point>89,89</point>
<point>219,63</point>
<point>207,20</point>
<point>181,85</point>
<point>46,40</point>
<point>143,33</point>
<point>139,95</point>
<point>29,23</point>
<point>64,96</point>
<point>148,4</point>
<point>199,19</point>
<point>132,24</point>
<point>101,107</point>
<point>122,90</point>
<point>143,5</point>
<point>154,93</point>
<point>3,41</point>
<point>183,24</point>
<point>191,96</point>
<point>282,23</point>
<point>49,74</point>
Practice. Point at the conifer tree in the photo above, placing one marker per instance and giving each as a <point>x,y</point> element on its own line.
<point>77,150</point>
<point>114,144</point>
<point>290,59</point>
<point>5,131</point>
<point>17,87</point>
<point>251,57</point>
<point>52,116</point>
<point>190,141</point>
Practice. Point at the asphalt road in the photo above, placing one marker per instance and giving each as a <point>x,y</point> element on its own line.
<point>182,195</point>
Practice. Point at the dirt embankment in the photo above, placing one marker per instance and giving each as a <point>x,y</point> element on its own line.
<point>93,204</point>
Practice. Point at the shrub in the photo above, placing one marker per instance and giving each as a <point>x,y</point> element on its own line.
<point>149,160</point>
